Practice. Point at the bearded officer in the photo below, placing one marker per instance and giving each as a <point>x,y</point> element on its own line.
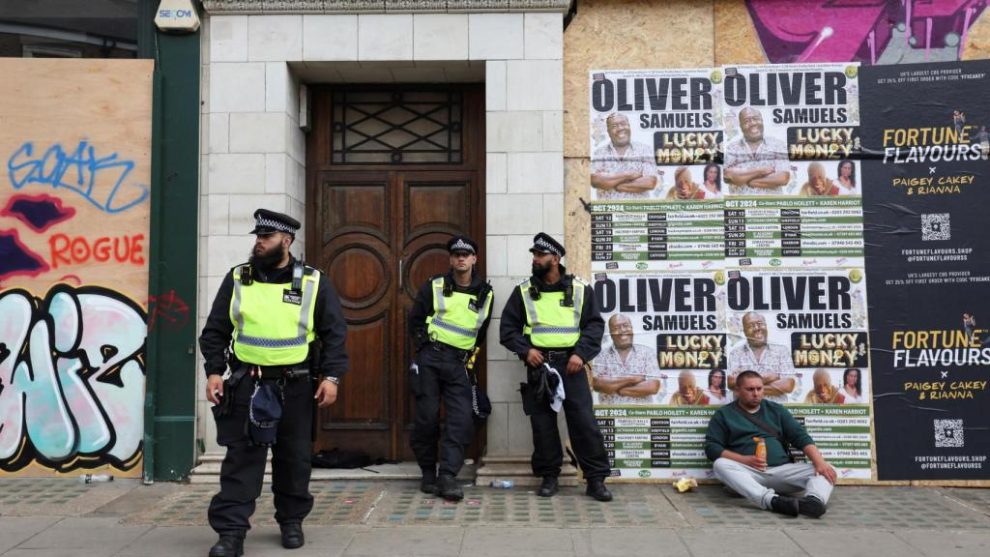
<point>552,318</point>
<point>267,320</point>
<point>448,320</point>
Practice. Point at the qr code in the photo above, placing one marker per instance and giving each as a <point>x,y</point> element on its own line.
<point>935,226</point>
<point>949,433</point>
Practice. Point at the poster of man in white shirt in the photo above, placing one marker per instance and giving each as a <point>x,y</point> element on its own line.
<point>625,373</point>
<point>646,124</point>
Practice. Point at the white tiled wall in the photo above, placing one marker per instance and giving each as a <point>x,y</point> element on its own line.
<point>254,152</point>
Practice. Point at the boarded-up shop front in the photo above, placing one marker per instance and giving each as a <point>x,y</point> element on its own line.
<point>75,138</point>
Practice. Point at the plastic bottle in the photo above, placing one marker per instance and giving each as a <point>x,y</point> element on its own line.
<point>761,448</point>
<point>95,478</point>
<point>502,484</point>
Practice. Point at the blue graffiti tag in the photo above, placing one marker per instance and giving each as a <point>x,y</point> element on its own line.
<point>78,171</point>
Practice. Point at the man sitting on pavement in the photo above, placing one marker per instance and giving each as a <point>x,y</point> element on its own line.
<point>730,443</point>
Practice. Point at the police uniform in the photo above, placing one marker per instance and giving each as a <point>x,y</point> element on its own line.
<point>263,324</point>
<point>559,320</point>
<point>446,323</point>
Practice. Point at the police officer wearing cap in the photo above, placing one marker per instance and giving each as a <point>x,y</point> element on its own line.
<point>447,322</point>
<point>272,322</point>
<point>552,318</point>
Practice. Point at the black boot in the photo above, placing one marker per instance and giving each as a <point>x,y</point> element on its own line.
<point>292,535</point>
<point>228,546</point>
<point>428,484</point>
<point>597,490</point>
<point>811,506</point>
<point>784,505</point>
<point>449,489</point>
<point>548,487</point>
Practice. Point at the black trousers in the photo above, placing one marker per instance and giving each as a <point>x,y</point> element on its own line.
<point>441,377</point>
<point>243,468</point>
<point>586,438</point>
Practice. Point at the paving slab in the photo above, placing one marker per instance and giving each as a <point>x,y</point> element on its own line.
<point>59,552</point>
<point>972,498</point>
<point>850,507</point>
<point>15,530</point>
<point>851,543</point>
<point>947,543</point>
<point>58,496</point>
<point>531,542</point>
<point>85,534</point>
<point>343,502</point>
<point>403,504</point>
<point>736,542</point>
<point>623,542</point>
<point>411,540</point>
<point>170,541</point>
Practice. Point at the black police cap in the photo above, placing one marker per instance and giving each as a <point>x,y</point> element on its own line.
<point>543,243</point>
<point>462,243</point>
<point>266,222</point>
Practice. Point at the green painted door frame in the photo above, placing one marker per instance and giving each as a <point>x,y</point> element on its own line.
<point>170,401</point>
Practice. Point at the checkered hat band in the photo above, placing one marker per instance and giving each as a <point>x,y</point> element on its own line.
<point>275,224</point>
<point>547,247</point>
<point>462,246</point>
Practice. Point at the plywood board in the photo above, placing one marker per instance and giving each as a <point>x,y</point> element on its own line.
<point>619,34</point>
<point>75,201</point>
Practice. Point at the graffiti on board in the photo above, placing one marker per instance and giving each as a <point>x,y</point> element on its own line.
<point>71,378</point>
<point>74,304</point>
<point>869,31</point>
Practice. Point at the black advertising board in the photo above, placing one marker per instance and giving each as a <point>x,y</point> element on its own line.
<point>925,200</point>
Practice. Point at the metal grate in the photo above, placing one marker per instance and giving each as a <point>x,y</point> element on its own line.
<point>399,126</point>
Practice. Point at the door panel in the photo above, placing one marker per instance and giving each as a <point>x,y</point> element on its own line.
<point>379,233</point>
<point>357,257</point>
<point>357,207</point>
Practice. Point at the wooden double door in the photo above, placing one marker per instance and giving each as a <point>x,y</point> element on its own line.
<point>379,231</point>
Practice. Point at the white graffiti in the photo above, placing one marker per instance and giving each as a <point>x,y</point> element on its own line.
<point>72,378</point>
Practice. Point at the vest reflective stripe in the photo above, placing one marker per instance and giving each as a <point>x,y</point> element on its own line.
<point>267,330</point>
<point>453,321</point>
<point>548,323</point>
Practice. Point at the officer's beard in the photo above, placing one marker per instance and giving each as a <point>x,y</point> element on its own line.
<point>267,260</point>
<point>540,271</point>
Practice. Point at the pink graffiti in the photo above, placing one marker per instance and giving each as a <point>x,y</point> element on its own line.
<point>859,30</point>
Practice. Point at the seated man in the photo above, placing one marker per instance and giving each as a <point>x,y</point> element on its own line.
<point>729,442</point>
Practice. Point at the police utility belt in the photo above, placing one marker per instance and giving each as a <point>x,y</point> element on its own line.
<point>462,355</point>
<point>288,373</point>
<point>555,354</point>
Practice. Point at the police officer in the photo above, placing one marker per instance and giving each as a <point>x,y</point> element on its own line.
<point>274,309</point>
<point>552,318</point>
<point>447,321</point>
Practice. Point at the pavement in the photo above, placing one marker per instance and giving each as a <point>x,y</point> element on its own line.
<point>61,517</point>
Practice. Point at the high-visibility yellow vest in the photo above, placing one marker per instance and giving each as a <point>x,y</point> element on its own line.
<point>454,322</point>
<point>273,325</point>
<point>549,323</point>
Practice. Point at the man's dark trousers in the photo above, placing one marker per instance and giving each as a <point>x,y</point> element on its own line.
<point>243,469</point>
<point>441,376</point>
<point>586,438</point>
